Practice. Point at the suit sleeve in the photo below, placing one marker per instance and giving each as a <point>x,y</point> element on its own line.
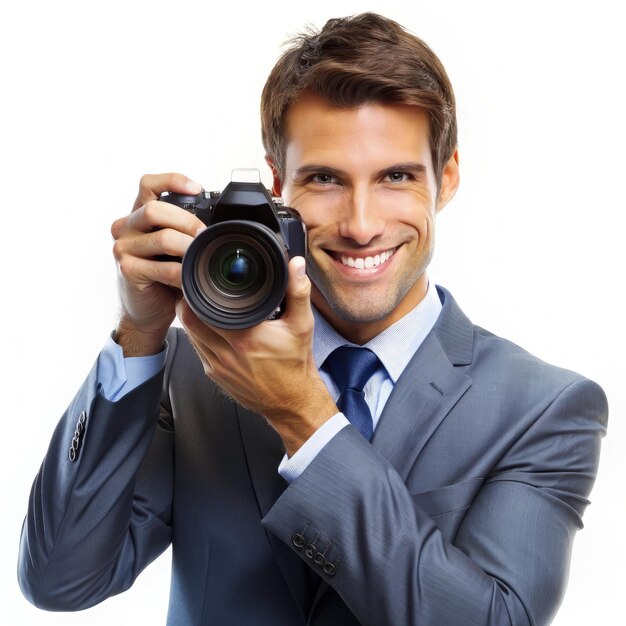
<point>352,518</point>
<point>100,506</point>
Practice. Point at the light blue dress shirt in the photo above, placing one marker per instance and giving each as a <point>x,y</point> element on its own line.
<point>395,347</point>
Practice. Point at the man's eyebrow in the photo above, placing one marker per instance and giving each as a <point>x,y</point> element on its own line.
<point>409,166</point>
<point>316,169</point>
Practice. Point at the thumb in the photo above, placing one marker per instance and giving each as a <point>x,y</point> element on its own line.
<point>298,295</point>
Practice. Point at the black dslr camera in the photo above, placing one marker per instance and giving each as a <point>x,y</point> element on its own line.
<point>234,273</point>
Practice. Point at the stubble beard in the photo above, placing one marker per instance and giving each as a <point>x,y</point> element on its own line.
<point>367,309</point>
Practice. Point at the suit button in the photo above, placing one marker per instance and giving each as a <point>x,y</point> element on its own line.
<point>319,559</point>
<point>329,569</point>
<point>298,540</point>
<point>78,431</point>
<point>74,448</point>
<point>310,551</point>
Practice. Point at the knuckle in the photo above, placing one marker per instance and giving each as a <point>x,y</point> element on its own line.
<point>116,226</point>
<point>118,248</point>
<point>303,294</point>
<point>172,179</point>
<point>168,273</point>
<point>126,266</point>
<point>155,240</point>
<point>145,182</point>
<point>164,240</point>
<point>176,180</point>
<point>120,226</point>
<point>304,336</point>
<point>151,212</point>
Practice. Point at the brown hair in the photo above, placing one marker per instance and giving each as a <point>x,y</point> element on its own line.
<point>355,60</point>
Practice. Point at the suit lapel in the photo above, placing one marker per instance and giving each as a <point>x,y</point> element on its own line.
<point>430,386</point>
<point>424,394</point>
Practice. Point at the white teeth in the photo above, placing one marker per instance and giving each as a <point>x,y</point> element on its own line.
<point>368,262</point>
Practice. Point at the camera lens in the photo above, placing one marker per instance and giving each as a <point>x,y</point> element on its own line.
<point>234,274</point>
<point>235,269</point>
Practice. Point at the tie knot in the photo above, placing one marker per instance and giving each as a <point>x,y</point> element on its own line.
<point>352,367</point>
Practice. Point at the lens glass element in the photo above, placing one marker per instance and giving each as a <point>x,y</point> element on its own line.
<point>234,269</point>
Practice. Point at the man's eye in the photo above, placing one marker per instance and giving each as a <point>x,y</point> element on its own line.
<point>323,179</point>
<point>398,177</point>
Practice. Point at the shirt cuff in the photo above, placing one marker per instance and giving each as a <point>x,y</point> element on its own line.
<point>291,468</point>
<point>118,375</point>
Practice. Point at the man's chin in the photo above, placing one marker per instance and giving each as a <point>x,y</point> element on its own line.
<point>339,308</point>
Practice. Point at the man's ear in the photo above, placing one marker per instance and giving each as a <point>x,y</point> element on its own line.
<point>450,179</point>
<point>276,184</point>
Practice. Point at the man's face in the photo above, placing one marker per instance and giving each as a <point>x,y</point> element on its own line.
<point>363,181</point>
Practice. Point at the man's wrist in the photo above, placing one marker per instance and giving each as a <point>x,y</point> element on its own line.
<point>301,423</point>
<point>119,375</point>
<point>292,466</point>
<point>135,342</point>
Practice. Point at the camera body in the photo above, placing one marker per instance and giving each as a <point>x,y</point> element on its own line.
<point>234,273</point>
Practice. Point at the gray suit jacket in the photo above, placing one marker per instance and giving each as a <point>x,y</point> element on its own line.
<point>462,510</point>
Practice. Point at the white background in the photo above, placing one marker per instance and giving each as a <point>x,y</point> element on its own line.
<point>94,94</point>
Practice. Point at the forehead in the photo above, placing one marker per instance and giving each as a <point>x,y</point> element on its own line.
<point>318,132</point>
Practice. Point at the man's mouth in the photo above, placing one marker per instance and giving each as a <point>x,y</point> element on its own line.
<point>367,262</point>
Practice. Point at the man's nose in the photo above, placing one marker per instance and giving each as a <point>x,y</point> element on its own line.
<point>362,218</point>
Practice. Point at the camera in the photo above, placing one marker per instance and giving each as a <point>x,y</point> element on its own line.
<point>234,273</point>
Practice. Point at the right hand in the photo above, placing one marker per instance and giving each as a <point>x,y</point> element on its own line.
<point>149,289</point>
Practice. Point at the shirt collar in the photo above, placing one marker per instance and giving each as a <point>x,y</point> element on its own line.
<point>408,332</point>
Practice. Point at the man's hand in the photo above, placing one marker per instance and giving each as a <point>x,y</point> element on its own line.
<point>269,368</point>
<point>150,288</point>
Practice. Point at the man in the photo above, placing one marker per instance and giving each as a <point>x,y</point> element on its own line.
<point>460,503</point>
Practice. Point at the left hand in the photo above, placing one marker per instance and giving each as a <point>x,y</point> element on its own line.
<point>269,368</point>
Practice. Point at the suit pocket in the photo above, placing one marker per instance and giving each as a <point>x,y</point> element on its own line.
<point>448,499</point>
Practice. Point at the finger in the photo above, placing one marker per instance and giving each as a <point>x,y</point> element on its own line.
<point>298,297</point>
<point>202,334</point>
<point>151,186</point>
<point>138,271</point>
<point>155,215</point>
<point>166,241</point>
<point>208,359</point>
<point>187,317</point>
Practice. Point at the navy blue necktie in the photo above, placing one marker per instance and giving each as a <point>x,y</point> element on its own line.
<point>351,368</point>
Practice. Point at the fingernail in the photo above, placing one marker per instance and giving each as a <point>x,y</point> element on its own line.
<point>302,270</point>
<point>193,187</point>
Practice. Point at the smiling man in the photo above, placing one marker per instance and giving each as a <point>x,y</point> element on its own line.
<point>416,468</point>
<point>363,180</point>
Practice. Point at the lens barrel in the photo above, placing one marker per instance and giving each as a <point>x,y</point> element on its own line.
<point>234,274</point>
